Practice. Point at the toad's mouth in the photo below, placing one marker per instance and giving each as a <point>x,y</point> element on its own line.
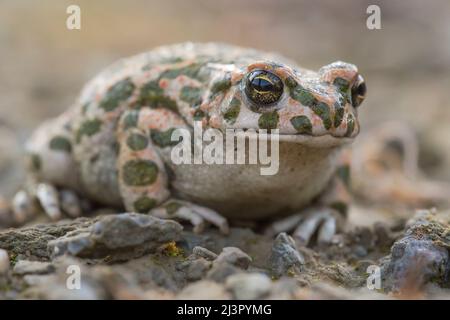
<point>322,141</point>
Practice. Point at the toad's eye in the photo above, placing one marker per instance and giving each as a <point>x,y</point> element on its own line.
<point>263,87</point>
<point>359,90</point>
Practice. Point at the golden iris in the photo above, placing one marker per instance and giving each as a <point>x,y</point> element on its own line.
<point>263,87</point>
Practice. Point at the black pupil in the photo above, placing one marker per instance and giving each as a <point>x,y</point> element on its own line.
<point>361,89</point>
<point>261,84</point>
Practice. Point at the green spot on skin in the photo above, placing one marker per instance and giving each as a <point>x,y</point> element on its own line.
<point>233,112</point>
<point>139,173</point>
<point>163,138</point>
<point>198,115</point>
<point>88,128</point>
<point>137,142</point>
<point>191,71</point>
<point>323,111</point>
<point>338,114</point>
<point>60,143</point>
<point>350,125</point>
<point>131,120</point>
<point>150,92</point>
<point>221,85</point>
<point>302,95</point>
<point>172,60</point>
<point>302,124</point>
<point>35,162</point>
<point>342,100</point>
<point>291,83</point>
<point>144,204</point>
<point>268,120</point>
<point>152,95</point>
<point>191,95</point>
<point>151,88</point>
<point>119,92</point>
<point>342,84</point>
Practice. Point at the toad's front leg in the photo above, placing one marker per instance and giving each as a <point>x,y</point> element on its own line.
<point>143,180</point>
<point>52,178</point>
<point>326,216</point>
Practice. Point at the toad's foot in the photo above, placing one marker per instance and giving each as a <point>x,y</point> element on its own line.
<point>323,220</point>
<point>44,196</point>
<point>197,215</point>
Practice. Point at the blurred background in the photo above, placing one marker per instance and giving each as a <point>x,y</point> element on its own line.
<point>406,64</point>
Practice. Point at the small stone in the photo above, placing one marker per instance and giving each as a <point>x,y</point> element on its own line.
<point>204,253</point>
<point>221,271</point>
<point>283,289</point>
<point>4,261</point>
<point>120,236</point>
<point>420,256</point>
<point>23,267</point>
<point>33,241</point>
<point>285,258</point>
<point>249,286</point>
<point>38,280</point>
<point>360,251</point>
<point>204,290</point>
<point>234,256</point>
<point>195,269</point>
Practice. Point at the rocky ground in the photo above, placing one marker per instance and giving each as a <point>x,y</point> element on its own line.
<point>133,256</point>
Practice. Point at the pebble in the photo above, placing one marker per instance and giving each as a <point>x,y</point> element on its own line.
<point>195,269</point>
<point>35,280</point>
<point>421,255</point>
<point>204,253</point>
<point>360,251</point>
<point>137,233</point>
<point>23,267</point>
<point>234,256</point>
<point>285,257</point>
<point>204,290</point>
<point>283,289</point>
<point>221,271</point>
<point>249,286</point>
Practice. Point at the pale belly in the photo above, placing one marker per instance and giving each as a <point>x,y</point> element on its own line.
<point>241,192</point>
